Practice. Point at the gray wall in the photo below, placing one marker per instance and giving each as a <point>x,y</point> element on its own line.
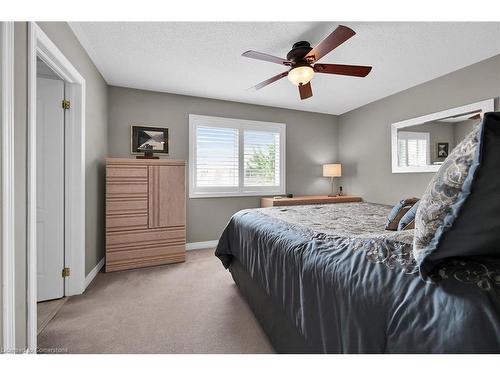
<point>311,141</point>
<point>462,128</point>
<point>95,137</point>
<point>364,133</point>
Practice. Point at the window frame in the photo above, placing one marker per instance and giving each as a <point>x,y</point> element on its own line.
<point>406,136</point>
<point>241,125</point>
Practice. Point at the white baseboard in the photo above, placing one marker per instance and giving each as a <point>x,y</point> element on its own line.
<point>92,274</point>
<point>201,245</point>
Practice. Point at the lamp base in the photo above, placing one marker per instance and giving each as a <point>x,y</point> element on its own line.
<point>332,188</point>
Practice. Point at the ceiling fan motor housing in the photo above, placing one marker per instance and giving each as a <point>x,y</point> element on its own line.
<point>298,52</point>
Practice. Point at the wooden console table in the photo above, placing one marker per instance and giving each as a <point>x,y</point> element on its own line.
<point>312,199</point>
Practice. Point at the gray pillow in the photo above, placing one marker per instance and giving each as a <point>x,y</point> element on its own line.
<point>398,211</point>
<point>459,213</point>
<point>408,220</point>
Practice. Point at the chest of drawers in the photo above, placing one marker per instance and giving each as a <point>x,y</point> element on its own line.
<point>145,212</point>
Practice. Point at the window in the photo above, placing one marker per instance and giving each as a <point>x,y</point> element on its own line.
<point>231,157</point>
<point>413,149</point>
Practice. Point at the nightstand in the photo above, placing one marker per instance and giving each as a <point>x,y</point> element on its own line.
<point>311,199</point>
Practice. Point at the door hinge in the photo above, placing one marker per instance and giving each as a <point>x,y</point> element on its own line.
<point>65,272</point>
<point>66,104</point>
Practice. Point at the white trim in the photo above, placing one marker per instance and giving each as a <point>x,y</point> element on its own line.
<point>241,125</point>
<point>31,219</point>
<point>201,245</point>
<point>487,105</point>
<point>8,188</point>
<point>92,274</point>
<point>40,45</point>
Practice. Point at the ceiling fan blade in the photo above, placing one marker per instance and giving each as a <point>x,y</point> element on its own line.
<point>332,41</point>
<point>305,91</point>
<point>269,81</point>
<point>345,70</point>
<point>266,57</point>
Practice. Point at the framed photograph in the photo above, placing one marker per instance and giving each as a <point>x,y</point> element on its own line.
<point>143,138</point>
<point>443,149</point>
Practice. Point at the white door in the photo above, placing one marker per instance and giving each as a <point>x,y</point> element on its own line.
<point>50,188</point>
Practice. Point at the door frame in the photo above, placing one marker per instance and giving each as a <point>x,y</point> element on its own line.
<point>8,188</point>
<point>39,45</point>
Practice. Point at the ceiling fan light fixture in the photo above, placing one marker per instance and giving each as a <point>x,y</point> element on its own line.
<point>301,75</point>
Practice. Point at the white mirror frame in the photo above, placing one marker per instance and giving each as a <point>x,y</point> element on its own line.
<point>487,105</point>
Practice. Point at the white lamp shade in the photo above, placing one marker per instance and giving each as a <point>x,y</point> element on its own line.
<point>301,75</point>
<point>332,170</point>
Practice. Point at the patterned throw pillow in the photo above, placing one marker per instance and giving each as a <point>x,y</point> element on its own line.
<point>444,196</point>
<point>398,211</point>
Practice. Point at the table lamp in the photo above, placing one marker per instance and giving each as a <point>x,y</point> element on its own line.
<point>332,171</point>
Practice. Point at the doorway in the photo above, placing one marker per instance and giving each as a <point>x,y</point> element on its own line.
<point>60,133</point>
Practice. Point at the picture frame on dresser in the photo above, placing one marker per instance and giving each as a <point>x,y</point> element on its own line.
<point>144,137</point>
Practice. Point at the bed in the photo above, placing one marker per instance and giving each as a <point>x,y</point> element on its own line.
<point>330,279</point>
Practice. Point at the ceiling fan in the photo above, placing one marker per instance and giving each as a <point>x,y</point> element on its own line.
<point>301,58</point>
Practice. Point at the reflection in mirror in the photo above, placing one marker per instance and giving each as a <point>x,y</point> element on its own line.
<point>422,144</point>
<point>431,142</point>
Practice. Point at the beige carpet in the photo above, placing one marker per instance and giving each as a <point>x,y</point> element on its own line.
<point>191,307</point>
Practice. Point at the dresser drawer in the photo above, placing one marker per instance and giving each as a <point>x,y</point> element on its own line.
<point>125,189</point>
<point>126,222</point>
<point>126,205</point>
<point>145,253</point>
<point>127,172</point>
<point>143,237</point>
<point>148,262</point>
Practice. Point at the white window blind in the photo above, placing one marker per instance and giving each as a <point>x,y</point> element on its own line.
<point>413,149</point>
<point>231,157</point>
<point>261,158</point>
<point>216,156</point>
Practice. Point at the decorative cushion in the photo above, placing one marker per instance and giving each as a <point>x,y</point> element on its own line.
<point>408,220</point>
<point>398,211</point>
<point>459,213</point>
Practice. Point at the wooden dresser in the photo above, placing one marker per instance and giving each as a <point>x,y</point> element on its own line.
<point>310,199</point>
<point>145,212</point>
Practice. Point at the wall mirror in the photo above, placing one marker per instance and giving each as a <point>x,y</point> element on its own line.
<point>422,144</point>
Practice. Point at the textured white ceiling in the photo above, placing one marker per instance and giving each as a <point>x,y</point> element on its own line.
<point>204,59</point>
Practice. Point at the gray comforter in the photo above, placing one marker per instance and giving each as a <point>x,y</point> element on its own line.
<point>349,286</point>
